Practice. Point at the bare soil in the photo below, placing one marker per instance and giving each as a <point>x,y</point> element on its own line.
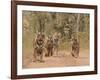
<point>64,59</point>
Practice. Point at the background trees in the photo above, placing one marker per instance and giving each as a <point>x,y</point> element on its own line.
<point>68,25</point>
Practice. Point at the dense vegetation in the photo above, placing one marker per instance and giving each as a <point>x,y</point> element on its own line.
<point>67,25</point>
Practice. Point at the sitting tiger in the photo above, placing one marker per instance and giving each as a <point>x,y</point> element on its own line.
<point>75,48</point>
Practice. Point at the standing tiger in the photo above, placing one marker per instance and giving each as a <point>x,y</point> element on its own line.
<point>39,46</point>
<point>49,46</point>
<point>56,44</point>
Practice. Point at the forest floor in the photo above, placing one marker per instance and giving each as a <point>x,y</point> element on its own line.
<point>64,59</point>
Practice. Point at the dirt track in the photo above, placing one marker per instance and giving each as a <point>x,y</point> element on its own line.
<point>62,60</point>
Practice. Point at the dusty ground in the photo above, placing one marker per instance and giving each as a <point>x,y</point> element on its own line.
<point>64,59</point>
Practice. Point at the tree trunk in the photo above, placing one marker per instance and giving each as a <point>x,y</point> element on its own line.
<point>77,25</point>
